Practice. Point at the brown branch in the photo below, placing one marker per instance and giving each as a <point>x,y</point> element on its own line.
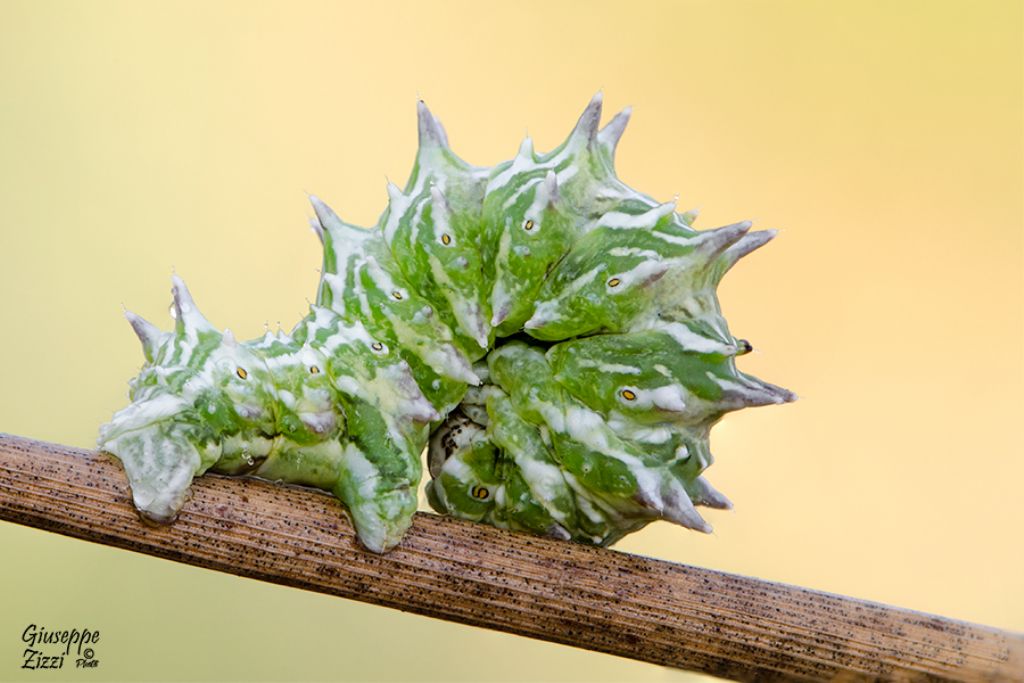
<point>675,615</point>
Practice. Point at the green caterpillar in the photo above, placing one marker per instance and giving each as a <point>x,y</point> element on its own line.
<point>552,334</point>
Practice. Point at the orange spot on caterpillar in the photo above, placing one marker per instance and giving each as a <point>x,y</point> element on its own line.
<point>240,371</point>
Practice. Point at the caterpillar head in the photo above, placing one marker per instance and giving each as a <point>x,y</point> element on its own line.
<point>462,463</point>
<point>200,394</point>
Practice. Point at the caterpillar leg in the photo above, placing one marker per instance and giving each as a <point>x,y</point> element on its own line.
<point>379,473</point>
<point>381,508</point>
<point>160,462</point>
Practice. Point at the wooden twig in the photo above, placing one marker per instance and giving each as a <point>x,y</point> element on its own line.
<point>650,610</point>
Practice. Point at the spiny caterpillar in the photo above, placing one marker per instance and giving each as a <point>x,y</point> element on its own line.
<point>554,335</point>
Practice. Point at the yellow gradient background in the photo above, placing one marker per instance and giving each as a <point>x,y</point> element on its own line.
<point>884,139</point>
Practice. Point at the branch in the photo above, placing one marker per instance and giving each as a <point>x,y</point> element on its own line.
<point>650,610</point>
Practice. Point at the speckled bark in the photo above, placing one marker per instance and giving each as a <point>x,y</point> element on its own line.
<point>675,615</point>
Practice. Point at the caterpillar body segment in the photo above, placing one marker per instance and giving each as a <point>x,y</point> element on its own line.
<point>551,337</point>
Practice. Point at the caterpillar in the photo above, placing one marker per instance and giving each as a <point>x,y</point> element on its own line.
<point>549,336</point>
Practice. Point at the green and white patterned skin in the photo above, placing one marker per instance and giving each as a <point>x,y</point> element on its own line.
<point>552,334</point>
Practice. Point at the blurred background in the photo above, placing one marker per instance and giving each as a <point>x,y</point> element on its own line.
<point>884,139</point>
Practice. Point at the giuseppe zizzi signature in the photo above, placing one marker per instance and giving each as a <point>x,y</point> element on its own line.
<point>53,649</point>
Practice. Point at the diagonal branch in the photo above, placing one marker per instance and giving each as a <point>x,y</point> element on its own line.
<point>650,610</point>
